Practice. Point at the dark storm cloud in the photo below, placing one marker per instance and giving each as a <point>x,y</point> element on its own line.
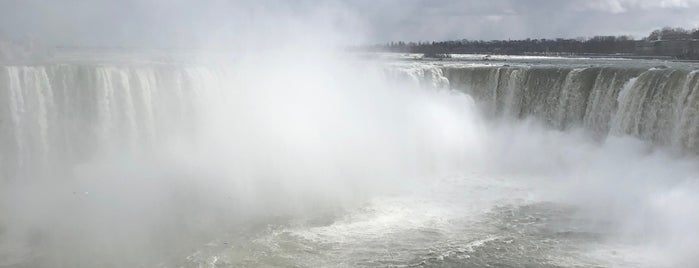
<point>191,23</point>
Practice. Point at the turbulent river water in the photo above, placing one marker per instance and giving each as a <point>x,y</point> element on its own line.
<point>383,162</point>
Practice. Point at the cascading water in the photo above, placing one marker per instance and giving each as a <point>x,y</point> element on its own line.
<point>71,112</point>
<point>657,105</point>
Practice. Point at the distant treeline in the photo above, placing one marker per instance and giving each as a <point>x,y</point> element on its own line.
<point>594,45</point>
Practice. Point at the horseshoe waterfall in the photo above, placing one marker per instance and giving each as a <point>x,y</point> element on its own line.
<point>345,161</point>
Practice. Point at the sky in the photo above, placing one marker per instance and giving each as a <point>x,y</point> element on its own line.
<point>183,23</point>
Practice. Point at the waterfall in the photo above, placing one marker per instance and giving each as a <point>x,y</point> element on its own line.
<point>155,159</point>
<point>654,104</point>
<point>67,113</point>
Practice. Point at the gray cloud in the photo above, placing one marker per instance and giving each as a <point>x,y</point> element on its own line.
<point>503,19</point>
<point>192,23</point>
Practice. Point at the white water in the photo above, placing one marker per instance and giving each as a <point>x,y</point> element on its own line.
<point>333,162</point>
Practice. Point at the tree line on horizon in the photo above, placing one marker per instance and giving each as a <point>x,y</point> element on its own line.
<point>595,45</point>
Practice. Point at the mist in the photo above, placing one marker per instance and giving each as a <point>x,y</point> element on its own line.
<point>630,190</point>
<point>244,134</point>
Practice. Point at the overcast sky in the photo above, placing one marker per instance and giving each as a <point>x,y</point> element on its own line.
<point>191,22</point>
